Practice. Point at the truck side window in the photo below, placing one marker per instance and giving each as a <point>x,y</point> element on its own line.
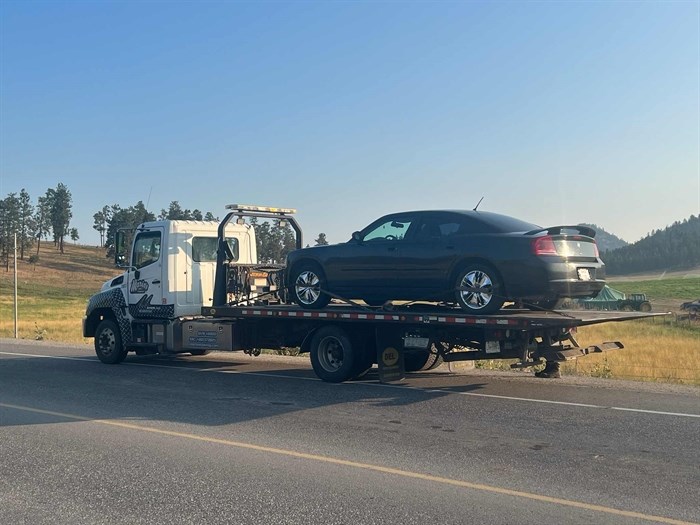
<point>204,248</point>
<point>146,249</point>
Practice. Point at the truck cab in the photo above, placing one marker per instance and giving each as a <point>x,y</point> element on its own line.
<point>171,273</point>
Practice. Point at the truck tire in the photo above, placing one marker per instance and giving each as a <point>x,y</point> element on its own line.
<point>421,360</point>
<point>489,297</point>
<point>306,283</point>
<point>627,308</point>
<point>645,307</point>
<point>108,343</point>
<point>334,358</point>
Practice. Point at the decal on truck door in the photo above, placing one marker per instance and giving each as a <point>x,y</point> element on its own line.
<point>143,309</point>
<point>138,286</point>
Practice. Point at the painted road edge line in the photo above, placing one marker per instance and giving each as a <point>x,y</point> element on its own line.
<point>375,385</point>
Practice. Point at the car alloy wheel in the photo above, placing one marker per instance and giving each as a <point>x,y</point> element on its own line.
<point>477,280</point>
<point>308,287</point>
<point>479,290</point>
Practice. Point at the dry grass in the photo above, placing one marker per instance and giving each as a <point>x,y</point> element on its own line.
<point>655,350</point>
<point>52,295</point>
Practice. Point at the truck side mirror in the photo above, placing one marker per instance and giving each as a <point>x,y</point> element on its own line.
<point>120,249</point>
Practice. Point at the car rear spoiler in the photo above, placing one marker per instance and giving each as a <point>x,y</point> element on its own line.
<point>556,230</point>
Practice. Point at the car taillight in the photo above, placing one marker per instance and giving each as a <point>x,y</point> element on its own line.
<point>595,247</point>
<point>544,246</point>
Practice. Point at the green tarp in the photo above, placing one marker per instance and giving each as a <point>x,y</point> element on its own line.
<point>607,294</point>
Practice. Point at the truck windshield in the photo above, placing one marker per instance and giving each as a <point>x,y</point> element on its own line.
<point>204,248</point>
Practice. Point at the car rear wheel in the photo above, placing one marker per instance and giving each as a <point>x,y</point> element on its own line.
<point>306,286</point>
<point>645,307</point>
<point>478,289</point>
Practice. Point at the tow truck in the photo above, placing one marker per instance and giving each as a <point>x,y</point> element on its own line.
<point>191,287</point>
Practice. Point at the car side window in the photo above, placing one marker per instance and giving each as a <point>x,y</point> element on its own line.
<point>146,249</point>
<point>470,226</point>
<point>435,228</point>
<point>394,229</point>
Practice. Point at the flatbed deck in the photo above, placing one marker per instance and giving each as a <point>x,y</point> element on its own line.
<point>430,314</point>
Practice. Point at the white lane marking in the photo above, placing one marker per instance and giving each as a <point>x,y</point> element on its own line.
<point>376,385</point>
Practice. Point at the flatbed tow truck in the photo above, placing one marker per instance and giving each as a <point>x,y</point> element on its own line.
<point>247,311</point>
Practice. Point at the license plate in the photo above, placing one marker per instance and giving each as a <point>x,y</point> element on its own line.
<point>584,274</point>
<point>416,342</point>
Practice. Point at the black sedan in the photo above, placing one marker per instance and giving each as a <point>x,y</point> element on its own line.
<point>478,260</point>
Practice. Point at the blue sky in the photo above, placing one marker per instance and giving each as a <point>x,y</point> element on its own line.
<point>555,112</point>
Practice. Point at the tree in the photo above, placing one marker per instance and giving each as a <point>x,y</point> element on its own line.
<point>61,213</point>
<point>74,235</point>
<point>176,213</point>
<point>321,241</point>
<point>124,219</point>
<point>9,224</point>
<point>42,218</point>
<point>101,218</point>
<point>26,222</point>
<point>209,216</point>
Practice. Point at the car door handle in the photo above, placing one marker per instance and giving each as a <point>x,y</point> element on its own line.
<point>155,281</point>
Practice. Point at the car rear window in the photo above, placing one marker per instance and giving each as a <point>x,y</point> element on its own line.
<point>504,224</point>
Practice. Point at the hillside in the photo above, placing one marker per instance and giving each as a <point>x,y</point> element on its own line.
<point>606,241</point>
<point>673,248</point>
<point>53,294</point>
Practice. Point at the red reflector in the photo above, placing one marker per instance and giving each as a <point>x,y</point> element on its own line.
<point>595,247</point>
<point>544,246</point>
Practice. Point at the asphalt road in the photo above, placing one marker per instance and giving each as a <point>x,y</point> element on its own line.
<point>227,438</point>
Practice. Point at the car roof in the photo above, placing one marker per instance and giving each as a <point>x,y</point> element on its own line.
<point>503,223</point>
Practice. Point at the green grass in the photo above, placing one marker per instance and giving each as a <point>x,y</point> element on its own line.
<point>673,288</point>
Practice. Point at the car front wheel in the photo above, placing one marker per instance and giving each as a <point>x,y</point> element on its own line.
<point>478,289</point>
<point>307,284</point>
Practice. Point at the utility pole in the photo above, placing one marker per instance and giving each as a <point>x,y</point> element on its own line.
<point>15,268</point>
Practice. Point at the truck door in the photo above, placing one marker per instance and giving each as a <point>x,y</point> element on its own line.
<point>146,281</point>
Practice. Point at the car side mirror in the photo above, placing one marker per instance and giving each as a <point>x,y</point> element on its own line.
<point>357,236</point>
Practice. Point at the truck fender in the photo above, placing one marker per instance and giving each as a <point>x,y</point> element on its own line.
<point>306,343</point>
<point>112,301</point>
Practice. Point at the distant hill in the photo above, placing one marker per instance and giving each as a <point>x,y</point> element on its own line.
<point>673,248</point>
<point>606,241</point>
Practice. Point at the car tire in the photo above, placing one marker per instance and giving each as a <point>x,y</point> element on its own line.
<point>480,276</point>
<point>334,357</point>
<point>307,284</point>
<point>645,307</point>
<point>108,343</point>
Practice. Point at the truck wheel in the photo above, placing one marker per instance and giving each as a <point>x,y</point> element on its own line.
<point>305,284</point>
<point>626,308</point>
<point>421,360</point>
<point>333,357</point>
<point>645,307</point>
<point>486,294</point>
<point>108,343</point>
